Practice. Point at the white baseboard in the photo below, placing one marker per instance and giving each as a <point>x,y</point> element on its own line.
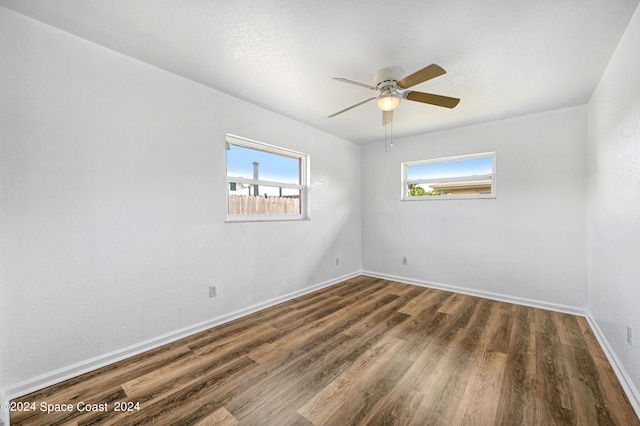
<point>4,415</point>
<point>625,381</point>
<point>74,370</point>
<point>484,294</point>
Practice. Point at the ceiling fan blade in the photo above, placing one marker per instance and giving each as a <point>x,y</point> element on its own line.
<point>353,106</point>
<point>387,117</point>
<point>428,98</point>
<point>346,80</point>
<point>426,73</point>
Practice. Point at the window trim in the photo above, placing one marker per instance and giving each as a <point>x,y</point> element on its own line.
<point>406,182</point>
<point>303,186</point>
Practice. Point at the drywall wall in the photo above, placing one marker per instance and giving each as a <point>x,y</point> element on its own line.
<point>529,242</point>
<point>113,204</point>
<point>614,202</point>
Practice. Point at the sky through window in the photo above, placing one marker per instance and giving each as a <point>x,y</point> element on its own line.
<point>272,167</point>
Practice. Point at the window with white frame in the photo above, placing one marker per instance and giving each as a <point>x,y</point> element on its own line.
<point>265,182</point>
<point>460,177</point>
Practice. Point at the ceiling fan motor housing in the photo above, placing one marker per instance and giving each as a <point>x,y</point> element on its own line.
<point>387,77</point>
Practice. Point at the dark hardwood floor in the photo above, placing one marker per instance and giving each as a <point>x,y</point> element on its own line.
<point>365,351</point>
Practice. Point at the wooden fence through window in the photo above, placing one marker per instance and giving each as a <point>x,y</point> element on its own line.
<point>250,204</point>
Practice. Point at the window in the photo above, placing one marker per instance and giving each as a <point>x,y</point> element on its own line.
<point>461,177</point>
<point>265,182</point>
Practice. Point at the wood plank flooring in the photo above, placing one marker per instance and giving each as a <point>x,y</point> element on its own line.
<point>363,352</point>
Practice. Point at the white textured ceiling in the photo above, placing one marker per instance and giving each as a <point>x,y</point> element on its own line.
<point>503,57</point>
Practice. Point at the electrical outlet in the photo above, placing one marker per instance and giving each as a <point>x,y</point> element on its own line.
<point>213,291</point>
<point>629,336</point>
<point>404,260</point>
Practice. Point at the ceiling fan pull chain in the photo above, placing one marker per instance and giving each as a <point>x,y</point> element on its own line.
<point>386,147</point>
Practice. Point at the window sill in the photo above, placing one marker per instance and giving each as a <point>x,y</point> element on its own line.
<point>450,197</point>
<point>265,218</point>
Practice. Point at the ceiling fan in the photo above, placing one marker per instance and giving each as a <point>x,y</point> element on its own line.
<point>392,90</point>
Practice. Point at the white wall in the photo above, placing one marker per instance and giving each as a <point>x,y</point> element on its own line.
<point>112,178</point>
<point>529,242</point>
<point>614,202</point>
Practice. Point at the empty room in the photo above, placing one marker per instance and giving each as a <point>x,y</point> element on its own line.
<point>319,213</point>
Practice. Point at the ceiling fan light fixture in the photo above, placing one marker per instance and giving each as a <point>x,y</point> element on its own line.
<point>388,101</point>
